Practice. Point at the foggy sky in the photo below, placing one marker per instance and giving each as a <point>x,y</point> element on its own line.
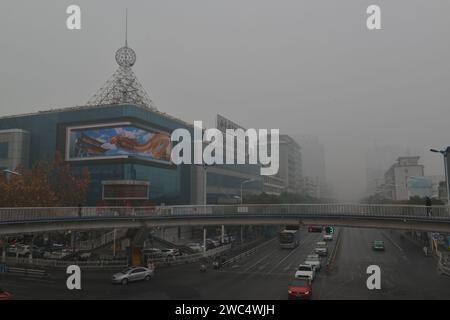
<point>306,67</point>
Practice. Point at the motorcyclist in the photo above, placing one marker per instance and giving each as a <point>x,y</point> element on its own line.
<point>425,250</point>
<point>216,264</point>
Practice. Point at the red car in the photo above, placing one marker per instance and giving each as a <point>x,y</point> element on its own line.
<point>4,295</point>
<point>300,288</point>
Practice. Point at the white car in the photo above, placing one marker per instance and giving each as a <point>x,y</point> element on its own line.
<point>170,253</point>
<point>152,253</point>
<point>195,246</point>
<point>215,242</point>
<point>23,250</point>
<point>313,260</point>
<point>56,255</point>
<point>321,248</point>
<point>305,271</point>
<point>327,237</point>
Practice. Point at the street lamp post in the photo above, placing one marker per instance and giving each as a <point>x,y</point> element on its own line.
<point>445,156</point>
<point>5,240</point>
<point>242,184</point>
<point>242,201</point>
<point>205,182</point>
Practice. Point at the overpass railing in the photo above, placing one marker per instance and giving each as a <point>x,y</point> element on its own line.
<point>10,215</point>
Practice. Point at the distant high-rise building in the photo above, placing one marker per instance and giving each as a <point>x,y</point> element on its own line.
<point>290,164</point>
<point>396,179</point>
<point>378,160</point>
<point>313,166</point>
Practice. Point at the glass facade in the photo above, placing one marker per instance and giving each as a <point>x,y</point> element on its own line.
<point>168,183</point>
<point>4,150</point>
<point>49,132</point>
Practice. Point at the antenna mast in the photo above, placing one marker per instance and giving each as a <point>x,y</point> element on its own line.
<point>126,27</point>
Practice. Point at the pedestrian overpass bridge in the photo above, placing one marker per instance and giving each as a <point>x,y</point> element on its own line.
<point>406,217</point>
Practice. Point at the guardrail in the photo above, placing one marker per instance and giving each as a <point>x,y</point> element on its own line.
<point>444,264</point>
<point>332,257</point>
<point>103,240</point>
<point>32,273</point>
<point>191,257</point>
<point>246,253</point>
<point>17,215</point>
<point>62,264</point>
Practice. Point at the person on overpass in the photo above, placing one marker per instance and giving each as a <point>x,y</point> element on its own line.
<point>428,205</point>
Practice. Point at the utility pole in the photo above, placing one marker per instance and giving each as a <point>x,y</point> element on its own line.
<point>445,153</point>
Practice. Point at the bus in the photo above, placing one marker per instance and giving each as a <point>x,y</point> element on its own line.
<point>289,239</point>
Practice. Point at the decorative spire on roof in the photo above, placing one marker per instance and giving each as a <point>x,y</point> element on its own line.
<point>123,87</point>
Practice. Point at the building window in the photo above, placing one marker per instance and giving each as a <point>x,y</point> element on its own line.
<point>3,150</point>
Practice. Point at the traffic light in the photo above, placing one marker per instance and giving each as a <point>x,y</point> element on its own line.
<point>329,230</point>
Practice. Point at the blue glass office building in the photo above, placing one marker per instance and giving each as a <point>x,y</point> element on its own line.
<point>47,133</point>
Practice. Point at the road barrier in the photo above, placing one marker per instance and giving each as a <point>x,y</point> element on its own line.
<point>332,257</point>
<point>444,264</point>
<point>246,253</point>
<point>175,260</point>
<point>63,264</point>
<point>105,239</point>
<point>32,273</point>
<point>114,263</point>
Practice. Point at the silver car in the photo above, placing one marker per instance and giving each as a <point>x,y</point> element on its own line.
<point>313,260</point>
<point>132,274</point>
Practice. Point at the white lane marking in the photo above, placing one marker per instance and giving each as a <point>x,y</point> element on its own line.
<point>393,242</point>
<point>38,280</point>
<point>288,267</point>
<point>257,262</point>
<point>256,273</point>
<point>282,260</point>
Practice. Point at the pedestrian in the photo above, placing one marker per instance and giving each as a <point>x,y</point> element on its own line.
<point>80,208</point>
<point>428,205</point>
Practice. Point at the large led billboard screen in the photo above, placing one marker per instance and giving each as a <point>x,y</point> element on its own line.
<point>117,140</point>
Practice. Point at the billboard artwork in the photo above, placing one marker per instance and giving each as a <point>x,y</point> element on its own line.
<point>117,141</point>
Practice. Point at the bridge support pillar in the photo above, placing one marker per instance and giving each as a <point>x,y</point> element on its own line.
<point>223,234</point>
<point>72,241</point>
<point>135,255</point>
<point>5,241</point>
<point>242,233</point>
<point>204,239</point>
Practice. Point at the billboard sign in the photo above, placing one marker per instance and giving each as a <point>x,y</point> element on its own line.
<point>117,140</point>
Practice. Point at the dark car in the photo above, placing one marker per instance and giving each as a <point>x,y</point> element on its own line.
<point>300,288</point>
<point>38,252</point>
<point>210,245</point>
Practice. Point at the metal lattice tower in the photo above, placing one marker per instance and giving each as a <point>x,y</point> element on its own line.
<point>123,87</point>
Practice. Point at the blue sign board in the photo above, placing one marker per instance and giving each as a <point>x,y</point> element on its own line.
<point>3,268</point>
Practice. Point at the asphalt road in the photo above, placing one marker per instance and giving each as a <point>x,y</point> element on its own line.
<point>405,274</point>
